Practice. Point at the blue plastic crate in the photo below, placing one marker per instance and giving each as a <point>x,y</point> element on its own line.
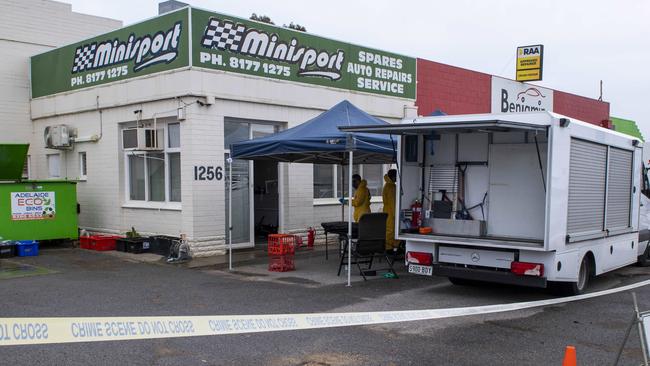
<point>27,248</point>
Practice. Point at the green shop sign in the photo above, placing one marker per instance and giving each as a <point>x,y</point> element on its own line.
<point>237,45</point>
<point>224,43</point>
<point>158,44</point>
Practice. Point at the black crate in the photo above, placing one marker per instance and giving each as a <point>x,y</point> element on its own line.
<point>120,244</point>
<point>160,244</point>
<point>7,250</point>
<point>133,245</point>
<point>139,245</point>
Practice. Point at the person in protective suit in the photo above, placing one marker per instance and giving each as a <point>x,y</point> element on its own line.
<point>361,199</point>
<point>388,196</point>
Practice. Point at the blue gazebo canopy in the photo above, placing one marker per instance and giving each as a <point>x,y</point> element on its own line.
<point>319,141</point>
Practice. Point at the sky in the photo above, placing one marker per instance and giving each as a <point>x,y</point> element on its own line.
<point>584,41</point>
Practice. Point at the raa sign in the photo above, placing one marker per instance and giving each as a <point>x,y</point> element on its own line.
<point>530,60</point>
<point>204,39</point>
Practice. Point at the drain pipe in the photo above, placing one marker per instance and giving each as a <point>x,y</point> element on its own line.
<point>94,138</point>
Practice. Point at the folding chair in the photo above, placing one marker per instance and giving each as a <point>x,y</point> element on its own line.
<point>370,243</point>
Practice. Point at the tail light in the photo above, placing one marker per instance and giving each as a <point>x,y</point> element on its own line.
<point>425,259</point>
<point>527,269</point>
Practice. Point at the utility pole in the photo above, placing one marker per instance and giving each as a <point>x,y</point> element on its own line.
<point>600,98</point>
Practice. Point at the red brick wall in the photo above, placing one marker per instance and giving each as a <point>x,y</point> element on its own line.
<point>451,89</point>
<point>454,90</point>
<point>582,108</point>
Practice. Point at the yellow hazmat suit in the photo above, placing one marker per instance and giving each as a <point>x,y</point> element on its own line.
<point>388,196</point>
<point>361,200</point>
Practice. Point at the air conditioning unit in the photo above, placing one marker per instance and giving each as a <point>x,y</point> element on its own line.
<point>142,139</point>
<point>59,137</point>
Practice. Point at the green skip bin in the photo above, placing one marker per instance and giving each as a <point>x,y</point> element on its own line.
<point>30,209</point>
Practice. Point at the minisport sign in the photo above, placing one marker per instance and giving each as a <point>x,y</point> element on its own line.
<point>243,46</point>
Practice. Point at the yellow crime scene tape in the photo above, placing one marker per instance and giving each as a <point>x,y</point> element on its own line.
<point>30,331</point>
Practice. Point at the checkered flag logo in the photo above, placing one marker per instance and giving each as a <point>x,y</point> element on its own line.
<point>223,34</point>
<point>83,58</point>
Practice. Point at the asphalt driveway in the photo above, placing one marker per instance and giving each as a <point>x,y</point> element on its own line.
<point>74,282</point>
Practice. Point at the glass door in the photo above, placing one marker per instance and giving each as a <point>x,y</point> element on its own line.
<point>264,206</point>
<point>243,207</point>
<point>241,192</point>
<point>241,213</point>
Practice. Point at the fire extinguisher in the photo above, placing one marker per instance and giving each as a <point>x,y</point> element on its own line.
<point>311,237</point>
<point>416,214</point>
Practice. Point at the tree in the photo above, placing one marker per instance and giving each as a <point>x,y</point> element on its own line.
<point>296,26</point>
<point>267,20</point>
<point>261,18</point>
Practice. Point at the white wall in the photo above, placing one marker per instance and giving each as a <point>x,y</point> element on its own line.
<point>102,195</point>
<point>202,216</point>
<point>29,27</point>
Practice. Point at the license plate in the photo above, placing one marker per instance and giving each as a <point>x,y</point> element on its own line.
<point>420,270</point>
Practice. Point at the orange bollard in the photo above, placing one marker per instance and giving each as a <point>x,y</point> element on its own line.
<point>570,356</point>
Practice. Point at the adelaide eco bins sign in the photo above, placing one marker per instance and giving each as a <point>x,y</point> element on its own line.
<point>33,205</point>
<point>225,43</point>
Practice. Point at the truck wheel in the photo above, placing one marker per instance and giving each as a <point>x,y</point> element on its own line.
<point>644,259</point>
<point>576,288</point>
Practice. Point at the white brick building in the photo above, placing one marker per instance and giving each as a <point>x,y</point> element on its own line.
<point>29,27</point>
<point>203,97</point>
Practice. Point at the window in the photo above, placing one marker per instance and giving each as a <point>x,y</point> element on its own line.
<point>174,134</point>
<point>174,176</point>
<point>374,174</point>
<point>156,176</point>
<point>346,178</point>
<point>327,179</point>
<point>83,172</point>
<point>26,167</point>
<point>173,155</point>
<point>136,177</point>
<point>235,132</point>
<point>323,181</point>
<point>54,166</point>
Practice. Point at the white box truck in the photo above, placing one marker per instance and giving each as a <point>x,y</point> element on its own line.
<point>528,199</point>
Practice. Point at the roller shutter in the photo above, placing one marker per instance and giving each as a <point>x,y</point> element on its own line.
<point>619,189</point>
<point>587,176</point>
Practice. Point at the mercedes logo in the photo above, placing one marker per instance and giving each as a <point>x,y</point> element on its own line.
<point>475,257</point>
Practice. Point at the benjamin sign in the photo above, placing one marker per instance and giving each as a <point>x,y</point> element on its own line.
<point>510,96</point>
<point>225,43</point>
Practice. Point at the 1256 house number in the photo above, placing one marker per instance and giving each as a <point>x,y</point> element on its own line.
<point>208,173</point>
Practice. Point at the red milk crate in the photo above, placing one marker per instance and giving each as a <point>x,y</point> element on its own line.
<point>281,244</point>
<point>281,263</point>
<point>98,242</point>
